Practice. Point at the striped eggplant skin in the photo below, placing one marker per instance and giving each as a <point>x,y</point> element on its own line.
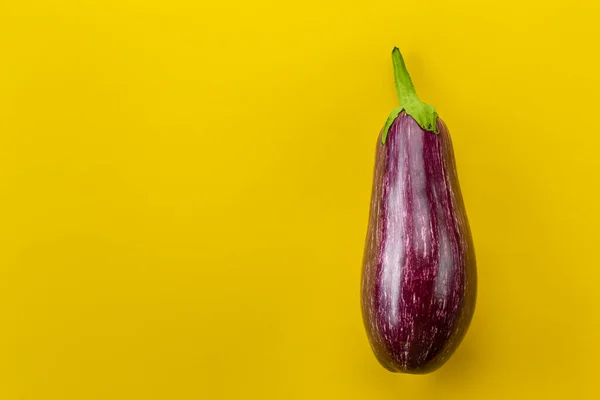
<point>419,279</point>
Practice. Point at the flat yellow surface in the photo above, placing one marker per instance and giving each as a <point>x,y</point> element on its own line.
<point>184,191</point>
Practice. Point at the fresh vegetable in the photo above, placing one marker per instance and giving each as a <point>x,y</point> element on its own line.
<point>419,279</point>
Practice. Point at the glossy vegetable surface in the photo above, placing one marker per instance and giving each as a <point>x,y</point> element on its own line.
<point>419,274</point>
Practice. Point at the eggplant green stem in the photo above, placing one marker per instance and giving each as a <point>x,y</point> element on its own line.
<point>423,113</point>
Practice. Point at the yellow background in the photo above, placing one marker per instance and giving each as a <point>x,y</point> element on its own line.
<point>184,189</point>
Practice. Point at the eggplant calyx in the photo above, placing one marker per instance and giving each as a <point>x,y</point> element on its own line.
<point>423,113</point>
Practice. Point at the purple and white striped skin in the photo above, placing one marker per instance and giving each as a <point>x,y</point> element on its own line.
<point>419,278</point>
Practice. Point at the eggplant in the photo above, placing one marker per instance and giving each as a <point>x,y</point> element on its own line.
<point>419,278</point>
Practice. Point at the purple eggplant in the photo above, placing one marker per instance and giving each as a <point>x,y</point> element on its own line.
<point>419,278</point>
